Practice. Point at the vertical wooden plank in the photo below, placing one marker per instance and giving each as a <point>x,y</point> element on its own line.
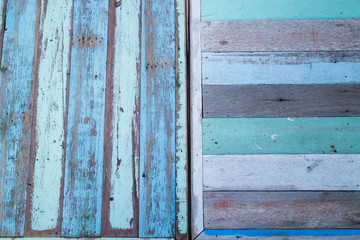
<point>86,121</point>
<point>2,23</point>
<point>44,203</point>
<point>120,195</point>
<point>197,224</point>
<point>181,122</point>
<point>16,80</point>
<point>157,119</point>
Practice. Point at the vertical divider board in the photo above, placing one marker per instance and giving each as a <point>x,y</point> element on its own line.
<point>122,129</point>
<point>157,120</point>
<point>16,92</point>
<point>86,121</point>
<point>45,187</point>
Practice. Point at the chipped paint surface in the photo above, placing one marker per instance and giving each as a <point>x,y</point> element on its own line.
<point>15,106</point>
<point>181,122</point>
<point>55,27</point>
<point>86,121</point>
<point>125,116</point>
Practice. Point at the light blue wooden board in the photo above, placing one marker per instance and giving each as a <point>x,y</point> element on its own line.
<point>16,78</point>
<point>243,68</point>
<point>86,118</point>
<point>278,9</point>
<point>157,120</point>
<point>281,135</point>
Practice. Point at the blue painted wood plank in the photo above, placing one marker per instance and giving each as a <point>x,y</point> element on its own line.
<point>47,160</point>
<point>157,120</point>
<point>212,10</point>
<point>121,163</point>
<point>86,121</point>
<point>16,78</point>
<point>281,135</point>
<point>285,232</point>
<point>243,68</point>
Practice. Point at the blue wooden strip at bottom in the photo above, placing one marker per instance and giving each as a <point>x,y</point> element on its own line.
<point>285,232</point>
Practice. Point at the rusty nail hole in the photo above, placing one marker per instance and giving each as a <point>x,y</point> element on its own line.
<point>143,175</point>
<point>118,3</point>
<point>96,76</point>
<point>111,199</point>
<point>29,184</point>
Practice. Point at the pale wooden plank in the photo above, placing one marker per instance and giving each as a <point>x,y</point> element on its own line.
<point>288,210</point>
<point>241,68</point>
<point>281,35</point>
<point>281,234</point>
<point>181,154</point>
<point>310,100</point>
<point>281,172</point>
<point>196,121</point>
<point>86,121</point>
<point>281,135</point>
<point>121,179</point>
<point>47,161</point>
<point>157,120</point>
<point>278,9</point>
<point>16,92</point>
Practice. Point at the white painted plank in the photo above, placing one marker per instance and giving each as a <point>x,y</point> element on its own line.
<point>282,172</point>
<point>197,224</point>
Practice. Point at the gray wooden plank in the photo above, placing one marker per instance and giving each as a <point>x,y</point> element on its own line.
<point>281,172</point>
<point>287,100</point>
<point>285,210</point>
<point>281,35</point>
<point>242,68</point>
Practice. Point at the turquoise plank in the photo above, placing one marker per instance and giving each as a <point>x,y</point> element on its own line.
<point>213,10</point>
<point>244,68</point>
<point>281,135</point>
<point>157,120</point>
<point>16,78</point>
<point>86,121</point>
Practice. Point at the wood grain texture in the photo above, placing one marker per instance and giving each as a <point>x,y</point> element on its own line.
<point>281,234</point>
<point>86,119</point>
<point>102,238</point>
<point>281,172</point>
<point>243,68</point>
<point>157,120</point>
<point>44,203</point>
<point>121,178</point>
<point>278,9</point>
<point>281,135</point>
<point>181,141</point>
<point>281,35</point>
<point>316,100</point>
<point>288,210</point>
<point>16,90</point>
<point>2,23</point>
<point>196,220</point>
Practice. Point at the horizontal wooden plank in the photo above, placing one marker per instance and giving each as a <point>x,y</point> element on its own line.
<point>227,68</point>
<point>281,35</point>
<point>281,135</point>
<point>278,9</point>
<point>281,234</point>
<point>288,210</point>
<point>316,100</point>
<point>281,172</point>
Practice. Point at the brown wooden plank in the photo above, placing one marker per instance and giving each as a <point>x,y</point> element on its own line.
<point>287,210</point>
<point>313,100</point>
<point>281,35</point>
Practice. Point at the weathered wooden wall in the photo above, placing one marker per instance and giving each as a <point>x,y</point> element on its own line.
<point>280,114</point>
<point>93,119</point>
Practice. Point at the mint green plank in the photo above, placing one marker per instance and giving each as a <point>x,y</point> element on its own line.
<point>215,10</point>
<point>281,135</point>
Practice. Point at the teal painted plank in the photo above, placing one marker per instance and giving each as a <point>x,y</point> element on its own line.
<point>46,171</point>
<point>243,68</point>
<point>281,135</point>
<point>157,120</point>
<point>86,121</point>
<point>37,238</point>
<point>181,124</point>
<point>121,181</point>
<point>213,10</point>
<point>16,78</point>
